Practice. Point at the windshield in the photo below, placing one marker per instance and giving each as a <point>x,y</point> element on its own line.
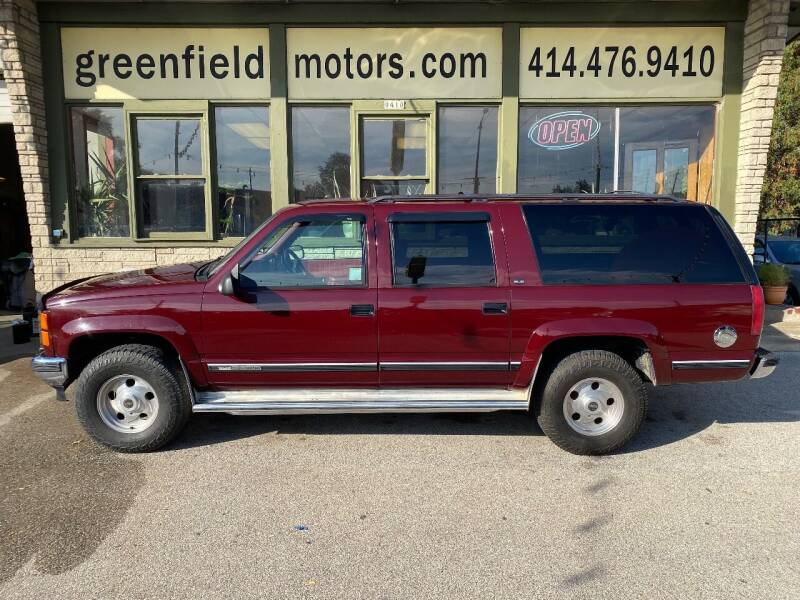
<point>208,269</point>
<point>786,251</point>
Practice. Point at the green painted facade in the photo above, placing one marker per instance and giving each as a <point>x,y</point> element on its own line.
<point>277,16</point>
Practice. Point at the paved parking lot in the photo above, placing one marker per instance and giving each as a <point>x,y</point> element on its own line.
<point>704,504</point>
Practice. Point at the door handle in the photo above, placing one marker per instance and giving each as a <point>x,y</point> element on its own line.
<point>362,310</point>
<point>495,308</point>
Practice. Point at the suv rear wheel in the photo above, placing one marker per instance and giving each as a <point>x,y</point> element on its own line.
<point>132,399</point>
<point>592,403</point>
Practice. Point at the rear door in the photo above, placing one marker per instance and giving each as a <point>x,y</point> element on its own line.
<point>443,297</point>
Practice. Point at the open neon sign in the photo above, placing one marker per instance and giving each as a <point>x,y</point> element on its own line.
<point>564,130</point>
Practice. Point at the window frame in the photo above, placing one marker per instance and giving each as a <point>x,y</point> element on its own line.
<point>360,217</point>
<point>208,234</point>
<point>451,217</point>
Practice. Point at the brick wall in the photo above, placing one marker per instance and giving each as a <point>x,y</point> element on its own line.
<point>54,265</point>
<point>764,40</point>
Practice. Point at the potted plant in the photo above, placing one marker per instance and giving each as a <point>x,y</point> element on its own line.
<point>775,281</point>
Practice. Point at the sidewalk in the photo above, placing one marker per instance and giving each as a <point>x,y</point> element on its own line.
<point>781,329</point>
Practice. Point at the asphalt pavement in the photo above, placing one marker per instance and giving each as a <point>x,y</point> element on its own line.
<point>703,503</point>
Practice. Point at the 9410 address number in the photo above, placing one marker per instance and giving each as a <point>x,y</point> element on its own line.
<point>627,60</point>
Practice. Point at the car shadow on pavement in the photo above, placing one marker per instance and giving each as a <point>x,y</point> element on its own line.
<point>675,413</point>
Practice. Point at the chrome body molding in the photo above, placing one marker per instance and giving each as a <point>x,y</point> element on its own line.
<point>289,401</point>
<point>364,366</point>
<point>446,366</point>
<point>290,367</point>
<point>680,365</point>
<point>50,369</point>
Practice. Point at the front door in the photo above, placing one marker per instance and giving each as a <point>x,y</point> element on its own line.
<point>443,299</point>
<point>305,308</point>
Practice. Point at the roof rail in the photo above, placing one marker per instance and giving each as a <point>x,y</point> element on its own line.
<point>616,195</point>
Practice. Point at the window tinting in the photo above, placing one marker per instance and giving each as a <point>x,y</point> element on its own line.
<point>601,244</point>
<point>323,252</point>
<point>442,253</point>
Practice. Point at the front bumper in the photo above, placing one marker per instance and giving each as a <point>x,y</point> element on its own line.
<point>50,369</point>
<point>764,364</point>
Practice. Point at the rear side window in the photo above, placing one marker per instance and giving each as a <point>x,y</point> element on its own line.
<point>629,243</point>
<point>441,253</point>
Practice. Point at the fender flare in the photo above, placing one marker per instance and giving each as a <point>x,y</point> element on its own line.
<point>547,333</point>
<point>168,329</point>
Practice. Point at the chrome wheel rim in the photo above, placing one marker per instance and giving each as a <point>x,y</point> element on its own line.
<point>127,404</point>
<point>593,406</point>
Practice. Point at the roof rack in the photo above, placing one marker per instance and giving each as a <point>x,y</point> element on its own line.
<point>616,195</point>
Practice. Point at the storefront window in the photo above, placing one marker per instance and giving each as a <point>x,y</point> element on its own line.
<point>667,150</point>
<point>394,156</point>
<point>661,150</point>
<point>566,150</point>
<point>320,152</point>
<point>169,175</point>
<point>244,197</point>
<point>100,175</point>
<point>467,159</point>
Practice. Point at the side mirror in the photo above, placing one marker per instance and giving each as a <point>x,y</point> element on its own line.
<point>228,286</point>
<point>759,256</point>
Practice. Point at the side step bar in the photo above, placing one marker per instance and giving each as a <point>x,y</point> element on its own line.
<point>267,401</point>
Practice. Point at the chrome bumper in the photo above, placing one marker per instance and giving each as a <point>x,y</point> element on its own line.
<point>50,369</point>
<point>764,364</point>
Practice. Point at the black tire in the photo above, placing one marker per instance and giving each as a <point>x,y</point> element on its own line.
<point>165,378</point>
<point>586,365</point>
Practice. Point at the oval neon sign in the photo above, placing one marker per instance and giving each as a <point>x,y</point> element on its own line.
<point>564,130</point>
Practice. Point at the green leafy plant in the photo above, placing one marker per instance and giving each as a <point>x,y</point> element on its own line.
<point>781,193</point>
<point>106,199</point>
<point>772,275</point>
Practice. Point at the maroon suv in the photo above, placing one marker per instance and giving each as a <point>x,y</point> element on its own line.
<point>565,306</point>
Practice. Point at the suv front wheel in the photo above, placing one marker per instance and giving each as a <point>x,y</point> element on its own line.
<point>132,399</point>
<point>592,403</point>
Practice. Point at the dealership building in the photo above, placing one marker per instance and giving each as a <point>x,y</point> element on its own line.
<point>151,133</point>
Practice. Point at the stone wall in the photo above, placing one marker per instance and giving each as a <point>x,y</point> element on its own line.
<point>764,41</point>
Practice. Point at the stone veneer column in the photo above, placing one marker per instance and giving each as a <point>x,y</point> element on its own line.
<point>21,53</point>
<point>764,41</point>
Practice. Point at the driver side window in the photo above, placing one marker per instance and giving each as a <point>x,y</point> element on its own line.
<point>309,252</point>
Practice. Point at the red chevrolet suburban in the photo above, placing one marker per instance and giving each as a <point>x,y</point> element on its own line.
<point>567,306</point>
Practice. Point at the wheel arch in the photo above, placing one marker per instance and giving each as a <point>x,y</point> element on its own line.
<point>638,342</point>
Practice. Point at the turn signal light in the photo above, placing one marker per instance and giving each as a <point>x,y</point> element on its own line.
<point>44,335</point>
<point>757,321</point>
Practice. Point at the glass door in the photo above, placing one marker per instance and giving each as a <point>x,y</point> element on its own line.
<point>662,168</point>
<point>394,156</point>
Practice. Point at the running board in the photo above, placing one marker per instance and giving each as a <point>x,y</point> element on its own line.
<point>267,401</point>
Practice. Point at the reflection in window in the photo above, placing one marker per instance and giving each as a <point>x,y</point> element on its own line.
<point>394,147</point>
<point>322,251</point>
<point>644,171</point>
<point>441,253</point>
<point>565,150</point>
<point>169,178</point>
<point>681,139</point>
<point>467,149</point>
<point>370,188</point>
<point>101,178</point>
<point>241,135</point>
<point>169,146</point>
<point>320,152</point>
